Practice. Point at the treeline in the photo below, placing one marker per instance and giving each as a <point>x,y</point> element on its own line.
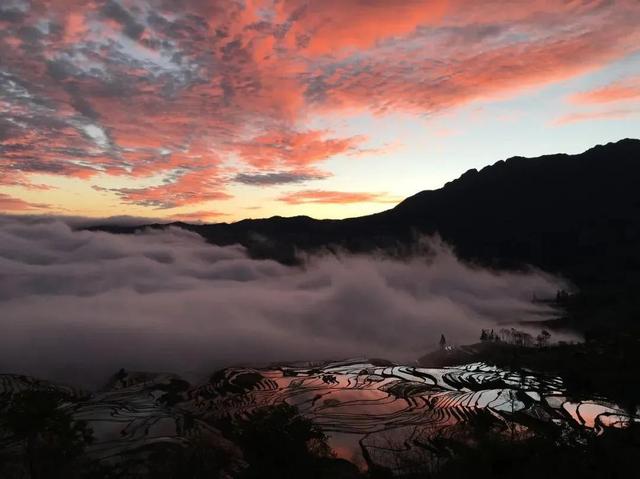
<point>516,337</point>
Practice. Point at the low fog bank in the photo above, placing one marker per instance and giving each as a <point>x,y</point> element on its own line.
<point>79,222</point>
<point>77,305</point>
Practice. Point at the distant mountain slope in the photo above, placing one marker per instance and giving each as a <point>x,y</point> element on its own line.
<point>566,213</point>
<point>574,214</point>
<point>563,213</point>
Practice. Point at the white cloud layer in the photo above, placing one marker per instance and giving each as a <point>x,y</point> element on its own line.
<point>78,305</point>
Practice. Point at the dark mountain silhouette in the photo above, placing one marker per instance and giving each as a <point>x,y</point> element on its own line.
<point>576,215</point>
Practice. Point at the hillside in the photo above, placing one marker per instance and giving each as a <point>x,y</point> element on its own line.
<point>578,215</point>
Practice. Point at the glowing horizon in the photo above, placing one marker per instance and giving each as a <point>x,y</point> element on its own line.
<point>221,110</point>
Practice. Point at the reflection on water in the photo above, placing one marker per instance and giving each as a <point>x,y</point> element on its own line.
<point>383,412</point>
<point>374,412</point>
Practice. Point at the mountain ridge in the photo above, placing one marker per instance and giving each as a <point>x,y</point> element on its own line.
<point>574,215</point>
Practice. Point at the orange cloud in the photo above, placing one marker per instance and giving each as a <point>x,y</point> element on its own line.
<point>623,90</point>
<point>328,26</point>
<point>294,149</point>
<point>535,12</point>
<point>339,197</point>
<point>412,81</point>
<point>124,89</point>
<point>596,115</point>
<point>10,203</point>
<point>75,26</point>
<point>186,188</point>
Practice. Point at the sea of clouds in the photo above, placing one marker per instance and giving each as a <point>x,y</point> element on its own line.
<point>77,305</point>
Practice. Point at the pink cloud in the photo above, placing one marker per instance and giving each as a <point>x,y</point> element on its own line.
<point>10,203</point>
<point>411,81</point>
<point>142,92</point>
<point>622,90</point>
<point>334,197</point>
<point>329,26</point>
<point>294,148</point>
<point>188,188</point>
<point>596,115</point>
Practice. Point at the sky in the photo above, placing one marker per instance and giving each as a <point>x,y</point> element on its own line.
<point>218,110</point>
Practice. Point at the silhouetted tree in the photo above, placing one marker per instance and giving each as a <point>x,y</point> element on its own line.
<point>562,296</point>
<point>51,439</point>
<point>505,335</point>
<point>278,442</point>
<point>542,339</point>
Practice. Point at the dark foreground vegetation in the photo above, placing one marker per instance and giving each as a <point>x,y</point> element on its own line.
<point>275,442</point>
<point>496,456</point>
<point>278,442</point>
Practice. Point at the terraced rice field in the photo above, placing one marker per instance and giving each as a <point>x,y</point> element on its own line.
<point>374,412</point>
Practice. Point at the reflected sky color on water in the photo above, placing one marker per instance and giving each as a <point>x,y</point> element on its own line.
<point>374,412</point>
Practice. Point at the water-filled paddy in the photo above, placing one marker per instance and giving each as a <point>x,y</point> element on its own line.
<point>374,414</point>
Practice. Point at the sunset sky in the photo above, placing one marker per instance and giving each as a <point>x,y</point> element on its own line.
<point>218,110</point>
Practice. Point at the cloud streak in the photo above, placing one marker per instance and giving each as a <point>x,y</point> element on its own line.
<point>277,178</point>
<point>334,197</point>
<point>9,203</point>
<point>613,114</point>
<point>76,305</point>
<point>627,89</point>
